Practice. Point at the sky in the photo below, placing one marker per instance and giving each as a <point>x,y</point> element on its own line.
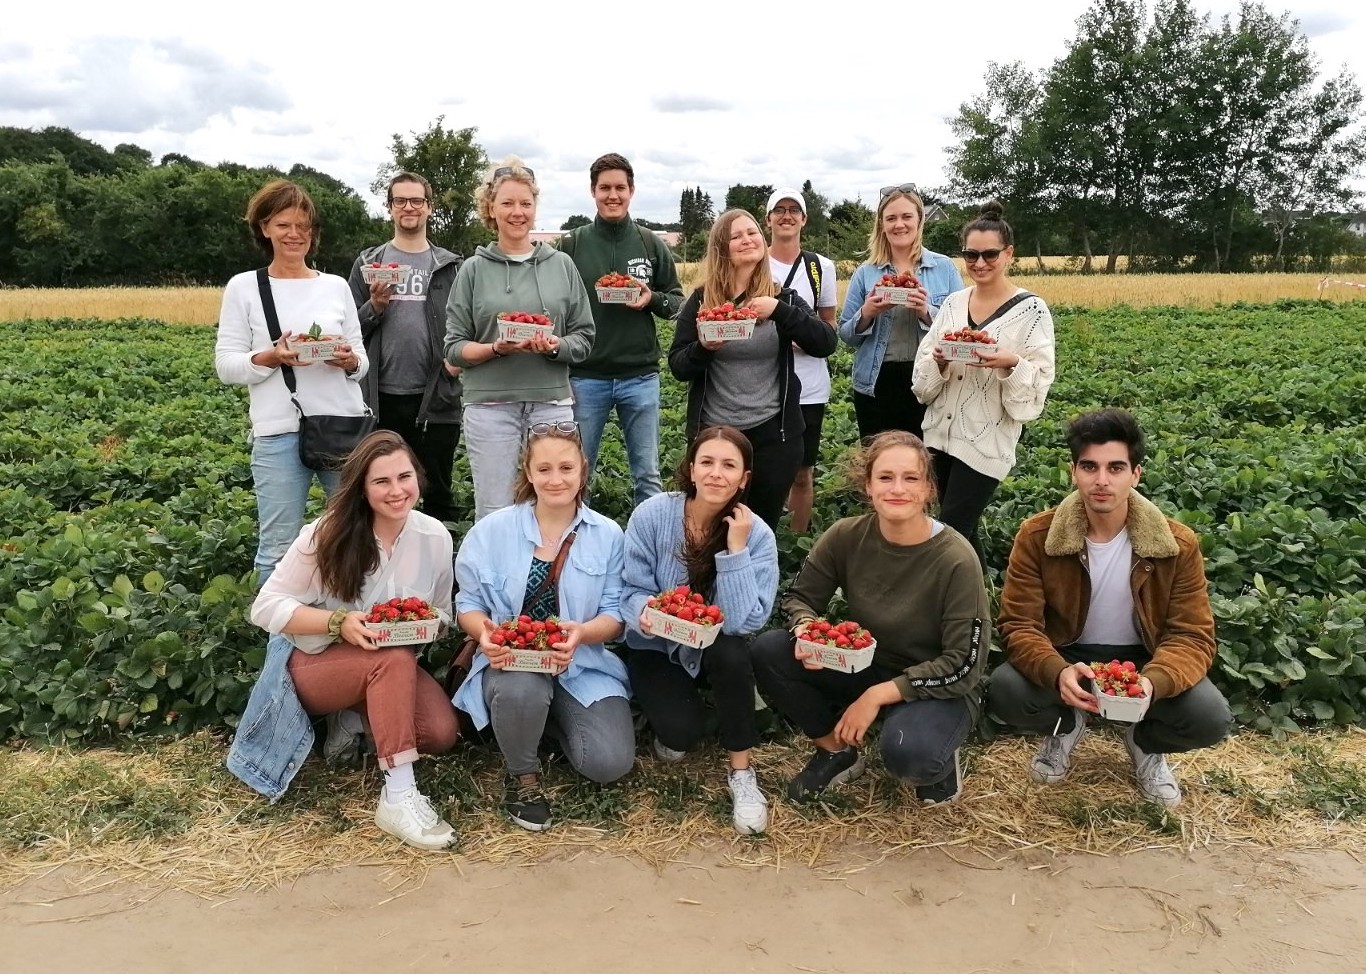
<point>709,93</point>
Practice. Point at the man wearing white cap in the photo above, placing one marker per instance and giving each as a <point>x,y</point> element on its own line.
<point>813,277</point>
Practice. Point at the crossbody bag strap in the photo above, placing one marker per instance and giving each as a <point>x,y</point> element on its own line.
<point>552,577</point>
<point>273,326</point>
<point>792,271</point>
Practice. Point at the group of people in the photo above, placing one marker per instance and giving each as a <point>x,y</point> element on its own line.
<point>1105,575</point>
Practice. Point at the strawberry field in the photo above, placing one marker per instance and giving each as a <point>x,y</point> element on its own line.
<point>129,522</point>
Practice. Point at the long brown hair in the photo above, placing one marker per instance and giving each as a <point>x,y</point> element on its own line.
<point>699,557</point>
<point>718,273</point>
<point>879,251</point>
<point>344,542</point>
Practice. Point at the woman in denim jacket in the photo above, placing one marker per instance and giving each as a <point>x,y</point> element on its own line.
<point>884,335</point>
<point>369,546</point>
<point>505,569</point>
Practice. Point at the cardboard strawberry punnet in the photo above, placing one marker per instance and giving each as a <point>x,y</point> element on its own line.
<point>961,345</point>
<point>530,642</point>
<point>1119,690</point>
<point>403,621</point>
<point>518,326</point>
<point>726,323</point>
<point>391,273</point>
<point>314,346</point>
<point>896,288</point>
<point>684,616</point>
<point>617,288</point>
<point>844,646</point>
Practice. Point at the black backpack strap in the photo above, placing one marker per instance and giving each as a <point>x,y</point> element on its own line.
<point>791,273</point>
<point>565,244</point>
<point>813,274</point>
<point>273,326</point>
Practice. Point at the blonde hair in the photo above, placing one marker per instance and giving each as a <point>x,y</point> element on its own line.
<point>488,187</point>
<point>718,273</point>
<point>524,490</point>
<point>879,251</point>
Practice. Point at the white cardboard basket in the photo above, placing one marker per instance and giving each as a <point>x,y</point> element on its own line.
<point>962,351</point>
<point>726,331</point>
<point>896,295</point>
<point>317,351</point>
<point>676,630</point>
<point>531,661</point>
<point>838,658</point>
<point>618,295</point>
<point>385,275</point>
<point>404,633</point>
<point>1130,710</point>
<point>518,331</point>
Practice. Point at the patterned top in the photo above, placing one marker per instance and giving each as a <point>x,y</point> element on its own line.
<point>548,604</point>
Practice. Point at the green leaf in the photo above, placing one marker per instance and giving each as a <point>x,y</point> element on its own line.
<point>153,582</point>
<point>122,586</point>
<point>149,703</point>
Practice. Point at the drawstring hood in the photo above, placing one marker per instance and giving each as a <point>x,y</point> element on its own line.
<point>540,253</point>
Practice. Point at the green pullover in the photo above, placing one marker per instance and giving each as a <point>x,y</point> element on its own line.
<point>626,344</point>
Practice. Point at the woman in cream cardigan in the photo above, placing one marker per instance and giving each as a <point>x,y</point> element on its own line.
<point>975,411</point>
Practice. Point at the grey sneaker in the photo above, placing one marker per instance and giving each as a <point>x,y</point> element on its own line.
<point>345,738</point>
<point>413,820</point>
<point>667,754</point>
<point>750,814</point>
<point>1053,761</point>
<point>1154,777</point>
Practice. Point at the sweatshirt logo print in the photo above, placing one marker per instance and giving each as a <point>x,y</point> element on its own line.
<point>974,650</point>
<point>641,268</point>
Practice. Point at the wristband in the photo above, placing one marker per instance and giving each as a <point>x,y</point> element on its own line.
<point>334,622</point>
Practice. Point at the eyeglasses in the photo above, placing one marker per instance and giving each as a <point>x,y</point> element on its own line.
<point>887,191</point>
<point>786,211</point>
<point>990,256</point>
<point>508,171</point>
<point>566,426</point>
<point>403,202</point>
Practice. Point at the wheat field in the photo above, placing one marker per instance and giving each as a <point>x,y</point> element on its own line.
<point>199,305</point>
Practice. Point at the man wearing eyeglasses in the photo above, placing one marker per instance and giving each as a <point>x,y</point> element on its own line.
<point>812,276</point>
<point>622,371</point>
<point>410,387</point>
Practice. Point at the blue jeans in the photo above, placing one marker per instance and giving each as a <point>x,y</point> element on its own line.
<point>637,404</point>
<point>494,436</point>
<point>282,485</point>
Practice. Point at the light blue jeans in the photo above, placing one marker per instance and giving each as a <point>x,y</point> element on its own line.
<point>637,404</point>
<point>282,485</point>
<point>494,435</point>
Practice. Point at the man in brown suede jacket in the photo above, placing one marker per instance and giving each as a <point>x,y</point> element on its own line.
<point>1104,576</point>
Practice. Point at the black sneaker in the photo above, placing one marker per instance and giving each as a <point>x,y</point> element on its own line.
<point>825,768</point>
<point>943,791</point>
<point>526,804</point>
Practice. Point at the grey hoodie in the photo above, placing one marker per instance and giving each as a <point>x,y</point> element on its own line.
<point>490,283</point>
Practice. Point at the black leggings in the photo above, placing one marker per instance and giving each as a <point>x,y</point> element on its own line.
<point>672,702</point>
<point>892,406</point>
<point>777,457</point>
<point>434,444</point>
<point>963,496</point>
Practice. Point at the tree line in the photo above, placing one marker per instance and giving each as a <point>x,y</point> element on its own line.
<point>1161,136</point>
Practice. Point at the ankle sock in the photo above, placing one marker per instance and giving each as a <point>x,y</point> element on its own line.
<point>399,780</point>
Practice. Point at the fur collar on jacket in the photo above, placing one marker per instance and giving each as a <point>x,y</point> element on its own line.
<point>1149,532</point>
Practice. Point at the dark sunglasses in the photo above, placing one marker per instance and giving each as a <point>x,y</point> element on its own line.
<point>887,191</point>
<point>566,426</point>
<point>508,171</point>
<point>990,256</point>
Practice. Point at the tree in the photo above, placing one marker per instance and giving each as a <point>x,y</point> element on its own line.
<point>751,198</point>
<point>817,230</point>
<point>575,221</point>
<point>850,224</point>
<point>695,217</point>
<point>454,164</point>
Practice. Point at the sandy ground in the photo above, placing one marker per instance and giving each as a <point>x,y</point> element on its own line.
<point>1227,911</point>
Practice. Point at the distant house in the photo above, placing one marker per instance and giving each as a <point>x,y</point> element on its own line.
<point>671,238</point>
<point>1356,223</point>
<point>934,213</point>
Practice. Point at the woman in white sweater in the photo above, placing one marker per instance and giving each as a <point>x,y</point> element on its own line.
<point>975,411</point>
<point>284,224</point>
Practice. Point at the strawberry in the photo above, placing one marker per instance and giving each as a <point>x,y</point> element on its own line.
<point>686,605</point>
<point>615,280</point>
<point>898,280</point>
<point>843,635</point>
<point>401,610</point>
<point>527,633</point>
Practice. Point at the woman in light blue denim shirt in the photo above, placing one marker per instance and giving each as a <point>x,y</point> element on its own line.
<point>505,570</point>
<point>884,335</point>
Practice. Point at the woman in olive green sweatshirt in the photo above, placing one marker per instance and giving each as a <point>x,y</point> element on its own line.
<point>510,385</point>
<point>915,584</point>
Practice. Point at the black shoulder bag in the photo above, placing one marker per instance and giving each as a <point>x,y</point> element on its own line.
<point>324,441</point>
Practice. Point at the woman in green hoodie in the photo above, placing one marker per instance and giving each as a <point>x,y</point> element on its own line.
<point>511,384</point>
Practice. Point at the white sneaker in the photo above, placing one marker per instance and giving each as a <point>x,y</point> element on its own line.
<point>1154,777</point>
<point>413,820</point>
<point>751,807</point>
<point>345,731</point>
<point>1053,761</point>
<point>667,754</point>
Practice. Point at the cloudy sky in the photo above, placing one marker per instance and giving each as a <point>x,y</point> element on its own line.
<point>853,95</point>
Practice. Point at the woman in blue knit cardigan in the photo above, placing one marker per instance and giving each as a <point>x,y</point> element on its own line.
<point>704,536</point>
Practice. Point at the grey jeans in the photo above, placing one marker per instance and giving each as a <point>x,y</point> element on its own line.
<point>494,435</point>
<point>599,740</point>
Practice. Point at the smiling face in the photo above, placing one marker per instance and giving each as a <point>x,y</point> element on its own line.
<point>391,486</point>
<point>746,243</point>
<point>514,213</point>
<point>786,220</point>
<point>407,217</point>
<point>555,469</point>
<point>718,472</point>
<point>900,223</point>
<point>1104,476</point>
<point>898,484</point>
<point>290,233</point>
<point>612,194</point>
<point>981,270</point>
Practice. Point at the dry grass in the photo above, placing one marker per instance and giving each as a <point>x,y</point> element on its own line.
<point>187,305</point>
<point>209,835</point>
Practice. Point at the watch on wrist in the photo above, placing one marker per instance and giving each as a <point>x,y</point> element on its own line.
<point>334,622</point>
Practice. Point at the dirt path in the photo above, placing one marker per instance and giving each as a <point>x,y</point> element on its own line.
<point>1230,911</point>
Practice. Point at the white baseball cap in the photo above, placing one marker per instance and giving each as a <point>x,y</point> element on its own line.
<point>795,195</point>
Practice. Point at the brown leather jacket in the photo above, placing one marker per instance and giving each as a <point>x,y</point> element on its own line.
<point>1047,594</point>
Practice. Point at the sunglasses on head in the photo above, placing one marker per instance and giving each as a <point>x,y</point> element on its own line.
<point>509,171</point>
<point>990,256</point>
<point>887,191</point>
<point>565,426</point>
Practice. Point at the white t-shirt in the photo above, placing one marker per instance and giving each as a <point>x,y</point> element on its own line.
<point>1110,619</point>
<point>813,373</point>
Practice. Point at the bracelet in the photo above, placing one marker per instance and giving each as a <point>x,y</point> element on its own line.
<point>334,622</point>
<point>496,353</point>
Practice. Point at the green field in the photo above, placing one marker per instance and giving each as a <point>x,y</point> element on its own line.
<point>129,522</point>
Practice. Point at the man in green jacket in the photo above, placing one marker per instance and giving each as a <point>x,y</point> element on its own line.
<point>622,371</point>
